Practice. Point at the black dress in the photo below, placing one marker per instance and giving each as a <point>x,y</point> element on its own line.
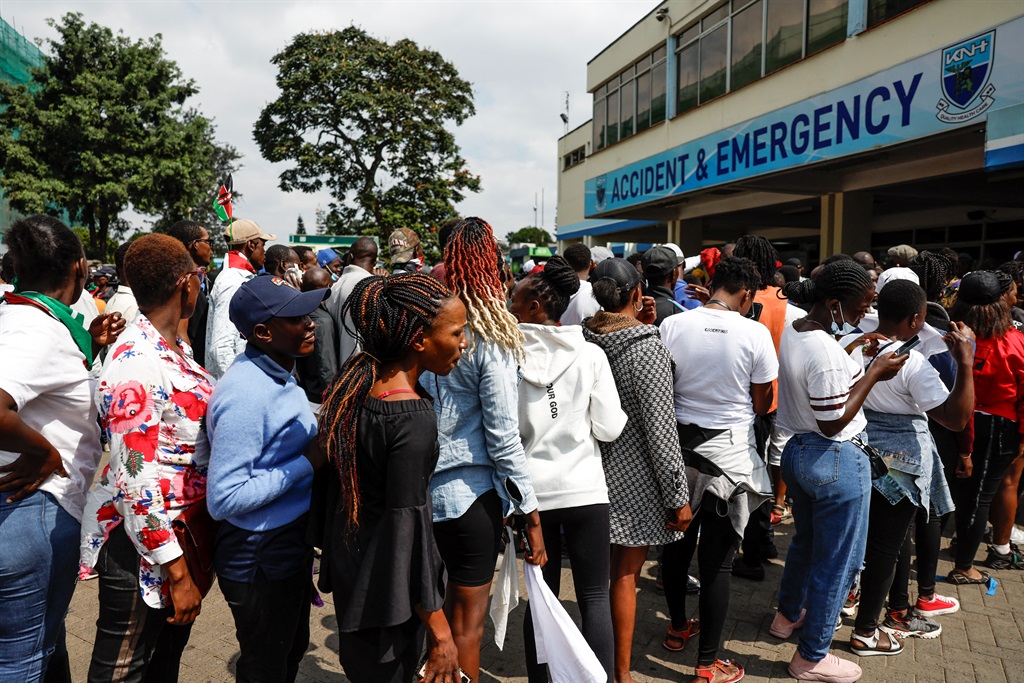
<point>390,565</point>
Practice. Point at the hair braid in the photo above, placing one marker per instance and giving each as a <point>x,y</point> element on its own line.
<point>472,272</point>
<point>933,272</point>
<point>839,279</point>
<point>759,250</point>
<point>388,314</point>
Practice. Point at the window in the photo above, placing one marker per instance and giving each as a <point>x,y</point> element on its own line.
<point>883,10</point>
<point>574,158</point>
<point>631,102</point>
<point>826,24</point>
<point>743,40</point>
<point>784,34</point>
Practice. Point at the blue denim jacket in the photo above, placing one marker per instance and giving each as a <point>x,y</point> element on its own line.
<point>915,470</point>
<point>477,407</point>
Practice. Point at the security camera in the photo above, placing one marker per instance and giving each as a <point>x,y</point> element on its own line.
<point>661,14</point>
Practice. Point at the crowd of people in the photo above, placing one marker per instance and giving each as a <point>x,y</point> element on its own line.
<point>374,427</point>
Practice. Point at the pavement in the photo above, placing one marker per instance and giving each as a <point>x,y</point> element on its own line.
<point>982,643</point>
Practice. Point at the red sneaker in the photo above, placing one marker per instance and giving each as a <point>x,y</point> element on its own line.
<point>722,671</point>
<point>937,605</point>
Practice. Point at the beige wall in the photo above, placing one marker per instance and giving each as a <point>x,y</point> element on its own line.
<point>570,183</point>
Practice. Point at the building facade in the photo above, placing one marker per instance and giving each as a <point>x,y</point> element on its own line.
<point>825,125</point>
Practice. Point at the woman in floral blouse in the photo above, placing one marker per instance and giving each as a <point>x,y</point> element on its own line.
<point>152,403</point>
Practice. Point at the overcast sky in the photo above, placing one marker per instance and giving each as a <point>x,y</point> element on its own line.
<point>521,57</point>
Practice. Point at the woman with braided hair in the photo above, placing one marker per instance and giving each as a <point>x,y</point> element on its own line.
<point>821,391</point>
<point>481,474</point>
<point>378,427</point>
<point>567,403</point>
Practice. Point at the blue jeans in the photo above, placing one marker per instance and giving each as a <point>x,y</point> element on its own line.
<point>38,569</point>
<point>830,483</point>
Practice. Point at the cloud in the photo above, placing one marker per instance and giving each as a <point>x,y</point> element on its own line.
<point>521,57</point>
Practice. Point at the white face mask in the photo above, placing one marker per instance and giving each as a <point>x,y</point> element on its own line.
<point>847,328</point>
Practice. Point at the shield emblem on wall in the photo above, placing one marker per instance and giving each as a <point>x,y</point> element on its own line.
<point>601,194</point>
<point>966,68</point>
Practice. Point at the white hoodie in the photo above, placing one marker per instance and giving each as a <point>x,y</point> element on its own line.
<point>567,403</point>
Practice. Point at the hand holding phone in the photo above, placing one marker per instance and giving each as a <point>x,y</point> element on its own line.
<point>908,345</point>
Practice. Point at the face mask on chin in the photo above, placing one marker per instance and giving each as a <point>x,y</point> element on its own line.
<point>846,328</point>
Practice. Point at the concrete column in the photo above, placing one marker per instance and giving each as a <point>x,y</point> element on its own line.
<point>846,219</point>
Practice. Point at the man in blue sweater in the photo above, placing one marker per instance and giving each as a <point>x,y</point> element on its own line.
<point>263,456</point>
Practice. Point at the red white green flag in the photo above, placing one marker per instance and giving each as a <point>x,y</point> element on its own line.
<point>222,204</point>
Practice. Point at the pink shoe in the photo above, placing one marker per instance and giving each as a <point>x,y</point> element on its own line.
<point>831,669</point>
<point>783,628</point>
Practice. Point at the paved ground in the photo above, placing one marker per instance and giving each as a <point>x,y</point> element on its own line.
<point>982,643</point>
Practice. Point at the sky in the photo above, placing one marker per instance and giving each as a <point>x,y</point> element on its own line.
<point>521,56</point>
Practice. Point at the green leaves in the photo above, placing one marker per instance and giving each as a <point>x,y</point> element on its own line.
<point>103,125</point>
<point>367,120</point>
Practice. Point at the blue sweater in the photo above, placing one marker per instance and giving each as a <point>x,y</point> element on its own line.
<point>259,424</point>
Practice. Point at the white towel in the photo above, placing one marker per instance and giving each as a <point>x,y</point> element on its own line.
<point>506,591</point>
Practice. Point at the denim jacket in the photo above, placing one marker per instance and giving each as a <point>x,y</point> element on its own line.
<point>478,433</point>
<point>915,470</point>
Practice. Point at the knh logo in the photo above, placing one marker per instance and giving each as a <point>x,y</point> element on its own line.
<point>601,194</point>
<point>965,73</point>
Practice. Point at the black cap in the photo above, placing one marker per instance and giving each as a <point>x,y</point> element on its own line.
<point>622,272</point>
<point>981,288</point>
<point>658,262</point>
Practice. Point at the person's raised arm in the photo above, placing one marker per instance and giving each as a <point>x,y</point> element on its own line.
<point>954,413</point>
<point>883,368</point>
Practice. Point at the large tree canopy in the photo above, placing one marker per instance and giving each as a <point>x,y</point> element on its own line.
<point>104,125</point>
<point>367,120</point>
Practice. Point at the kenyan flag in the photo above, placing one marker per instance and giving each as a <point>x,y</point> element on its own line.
<point>222,204</point>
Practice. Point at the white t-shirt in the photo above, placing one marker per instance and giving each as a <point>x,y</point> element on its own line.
<point>718,355</point>
<point>582,305</point>
<point>45,374</point>
<point>815,379</point>
<point>915,390</point>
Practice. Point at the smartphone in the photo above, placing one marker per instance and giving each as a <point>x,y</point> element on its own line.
<point>908,346</point>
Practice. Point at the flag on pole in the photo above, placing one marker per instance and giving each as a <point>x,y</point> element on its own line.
<point>222,204</point>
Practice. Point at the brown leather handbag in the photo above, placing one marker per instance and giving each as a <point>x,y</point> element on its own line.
<point>196,532</point>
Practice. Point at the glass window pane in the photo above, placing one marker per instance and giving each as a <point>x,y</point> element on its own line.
<point>714,16</point>
<point>643,101</point>
<point>746,46</point>
<point>658,76</point>
<point>627,106</point>
<point>689,34</point>
<point>826,23</point>
<point>599,131</point>
<point>626,75</point>
<point>658,54</point>
<point>613,118</point>
<point>785,29</point>
<point>881,10</point>
<point>713,62</point>
<point>643,65</point>
<point>686,85</point>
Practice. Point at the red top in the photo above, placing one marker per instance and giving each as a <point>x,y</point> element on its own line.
<point>999,377</point>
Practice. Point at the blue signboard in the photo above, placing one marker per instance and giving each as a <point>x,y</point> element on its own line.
<point>939,91</point>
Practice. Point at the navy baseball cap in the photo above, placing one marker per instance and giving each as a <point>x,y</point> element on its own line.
<point>265,297</point>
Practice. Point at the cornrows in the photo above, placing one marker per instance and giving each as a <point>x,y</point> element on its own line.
<point>388,314</point>
<point>471,269</point>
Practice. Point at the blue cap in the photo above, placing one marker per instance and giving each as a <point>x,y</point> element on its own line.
<point>265,297</point>
<point>325,256</point>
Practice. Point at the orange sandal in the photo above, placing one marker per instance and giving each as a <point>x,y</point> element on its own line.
<point>692,629</point>
<point>722,671</point>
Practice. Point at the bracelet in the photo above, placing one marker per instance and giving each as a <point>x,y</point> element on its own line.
<point>965,456</point>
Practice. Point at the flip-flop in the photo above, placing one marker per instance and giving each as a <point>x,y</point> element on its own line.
<point>962,580</point>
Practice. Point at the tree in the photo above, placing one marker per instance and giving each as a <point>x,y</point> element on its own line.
<point>193,199</point>
<point>102,125</point>
<point>368,120</point>
<point>300,226</point>
<point>529,234</point>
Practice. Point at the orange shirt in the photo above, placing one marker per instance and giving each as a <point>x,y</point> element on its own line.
<point>773,316</point>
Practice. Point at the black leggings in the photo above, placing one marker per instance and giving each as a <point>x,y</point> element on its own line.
<point>995,446</point>
<point>718,544</point>
<point>887,531</point>
<point>588,543</point>
<point>469,544</point>
<point>923,540</point>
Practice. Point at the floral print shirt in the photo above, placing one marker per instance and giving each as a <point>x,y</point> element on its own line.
<point>152,406</point>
